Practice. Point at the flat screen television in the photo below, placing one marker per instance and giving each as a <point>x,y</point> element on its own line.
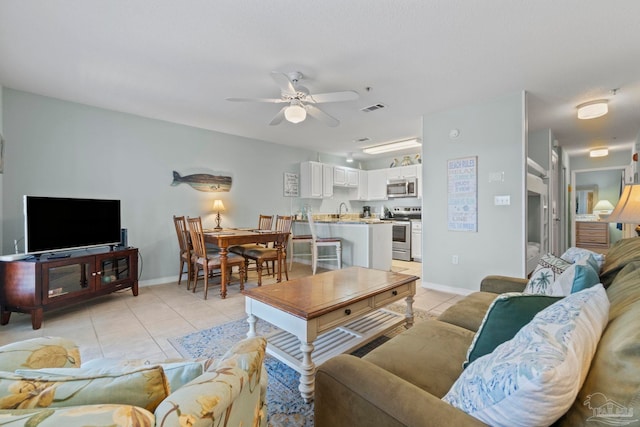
<point>56,223</point>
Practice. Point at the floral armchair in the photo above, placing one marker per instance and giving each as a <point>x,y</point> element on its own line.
<point>43,383</point>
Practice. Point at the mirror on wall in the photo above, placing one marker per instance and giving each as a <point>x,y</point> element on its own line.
<point>586,198</point>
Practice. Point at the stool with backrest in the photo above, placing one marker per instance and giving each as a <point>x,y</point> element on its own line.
<point>207,262</point>
<point>185,248</point>
<point>323,242</point>
<point>262,255</point>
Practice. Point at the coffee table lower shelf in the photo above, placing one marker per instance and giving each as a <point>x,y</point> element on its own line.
<point>285,346</point>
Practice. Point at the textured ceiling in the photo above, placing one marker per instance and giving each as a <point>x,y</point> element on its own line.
<point>179,60</point>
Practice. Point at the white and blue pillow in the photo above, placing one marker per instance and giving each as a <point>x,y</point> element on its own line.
<point>535,377</point>
<point>549,268</point>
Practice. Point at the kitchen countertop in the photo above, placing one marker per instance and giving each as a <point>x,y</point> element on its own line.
<point>345,221</point>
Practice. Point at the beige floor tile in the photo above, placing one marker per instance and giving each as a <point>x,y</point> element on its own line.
<point>120,325</point>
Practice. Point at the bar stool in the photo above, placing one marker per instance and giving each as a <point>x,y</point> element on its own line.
<point>301,238</point>
<point>323,242</point>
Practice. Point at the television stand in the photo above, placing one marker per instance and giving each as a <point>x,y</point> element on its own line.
<point>34,286</point>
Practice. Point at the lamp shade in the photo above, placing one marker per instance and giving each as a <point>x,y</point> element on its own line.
<point>218,206</point>
<point>627,211</point>
<point>295,113</point>
<point>603,205</point>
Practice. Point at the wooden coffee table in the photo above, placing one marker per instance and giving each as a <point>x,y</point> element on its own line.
<point>328,314</point>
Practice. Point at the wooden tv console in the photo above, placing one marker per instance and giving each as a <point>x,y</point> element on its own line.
<point>49,282</point>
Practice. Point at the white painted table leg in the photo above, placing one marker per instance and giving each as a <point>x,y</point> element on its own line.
<point>308,376</point>
<point>409,313</point>
<point>252,326</point>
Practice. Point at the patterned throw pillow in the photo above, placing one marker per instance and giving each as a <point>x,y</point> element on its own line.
<point>42,352</point>
<point>549,268</point>
<point>575,278</point>
<point>573,254</point>
<point>535,377</point>
<point>145,387</point>
<point>506,315</point>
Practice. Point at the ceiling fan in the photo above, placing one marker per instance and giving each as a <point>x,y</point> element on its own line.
<point>300,101</point>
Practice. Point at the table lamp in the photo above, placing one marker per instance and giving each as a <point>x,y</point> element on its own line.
<point>218,207</point>
<point>627,211</point>
<point>603,208</point>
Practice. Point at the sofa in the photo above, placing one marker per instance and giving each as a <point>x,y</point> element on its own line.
<point>43,383</point>
<point>409,380</point>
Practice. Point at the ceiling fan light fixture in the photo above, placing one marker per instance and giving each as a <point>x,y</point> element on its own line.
<point>295,113</point>
<point>593,109</point>
<point>393,146</point>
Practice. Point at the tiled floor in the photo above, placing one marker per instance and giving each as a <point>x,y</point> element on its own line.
<point>122,326</point>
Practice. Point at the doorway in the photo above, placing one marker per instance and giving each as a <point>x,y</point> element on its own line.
<point>594,185</point>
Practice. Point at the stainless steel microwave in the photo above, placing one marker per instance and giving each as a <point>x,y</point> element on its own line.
<point>402,187</point>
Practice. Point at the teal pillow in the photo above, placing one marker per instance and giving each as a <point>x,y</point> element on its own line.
<point>506,315</point>
<point>575,278</point>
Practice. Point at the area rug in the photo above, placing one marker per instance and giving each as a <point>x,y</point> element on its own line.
<point>286,408</point>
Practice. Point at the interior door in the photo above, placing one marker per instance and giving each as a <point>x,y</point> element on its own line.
<point>554,213</point>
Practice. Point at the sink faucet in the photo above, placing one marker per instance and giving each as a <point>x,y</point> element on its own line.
<point>340,209</point>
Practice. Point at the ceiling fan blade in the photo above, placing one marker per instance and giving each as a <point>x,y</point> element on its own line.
<point>279,117</point>
<point>269,100</point>
<point>282,80</point>
<point>347,95</point>
<point>320,115</point>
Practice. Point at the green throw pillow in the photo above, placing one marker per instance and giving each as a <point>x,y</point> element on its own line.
<point>506,315</point>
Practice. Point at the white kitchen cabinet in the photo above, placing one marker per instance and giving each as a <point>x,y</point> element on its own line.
<point>402,172</point>
<point>361,192</point>
<point>327,181</point>
<point>311,180</point>
<point>377,184</point>
<point>345,177</point>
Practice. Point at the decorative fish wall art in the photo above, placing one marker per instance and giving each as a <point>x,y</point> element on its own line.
<point>203,182</point>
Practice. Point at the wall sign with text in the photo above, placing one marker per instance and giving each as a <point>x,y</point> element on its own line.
<point>291,184</point>
<point>462,194</point>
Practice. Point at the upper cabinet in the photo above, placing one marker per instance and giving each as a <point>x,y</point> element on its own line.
<point>345,177</point>
<point>311,180</point>
<point>377,184</point>
<point>327,180</point>
<point>403,172</point>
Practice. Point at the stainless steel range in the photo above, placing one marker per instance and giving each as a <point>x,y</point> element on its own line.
<point>401,241</point>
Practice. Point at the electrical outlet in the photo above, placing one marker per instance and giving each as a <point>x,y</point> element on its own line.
<point>454,259</point>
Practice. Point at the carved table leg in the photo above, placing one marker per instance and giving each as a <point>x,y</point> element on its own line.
<point>308,376</point>
<point>409,313</point>
<point>252,326</point>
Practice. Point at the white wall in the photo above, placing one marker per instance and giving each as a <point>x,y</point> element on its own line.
<point>1,175</point>
<point>58,148</point>
<point>495,132</point>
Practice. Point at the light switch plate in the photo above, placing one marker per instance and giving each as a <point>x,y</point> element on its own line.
<point>502,200</point>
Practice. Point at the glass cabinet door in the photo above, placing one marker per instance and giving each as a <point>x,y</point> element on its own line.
<point>113,269</point>
<point>66,280</point>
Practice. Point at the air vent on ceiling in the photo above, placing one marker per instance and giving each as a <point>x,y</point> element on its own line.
<point>364,139</point>
<point>373,107</point>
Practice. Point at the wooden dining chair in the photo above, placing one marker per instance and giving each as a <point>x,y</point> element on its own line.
<point>208,262</point>
<point>264,223</point>
<point>323,242</point>
<point>185,248</point>
<point>263,255</point>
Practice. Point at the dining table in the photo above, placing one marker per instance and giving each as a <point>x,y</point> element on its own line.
<point>239,236</point>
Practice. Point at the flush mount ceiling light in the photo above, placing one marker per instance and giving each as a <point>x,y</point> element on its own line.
<point>593,109</point>
<point>392,146</point>
<point>599,152</point>
<point>295,113</point>
<point>350,158</point>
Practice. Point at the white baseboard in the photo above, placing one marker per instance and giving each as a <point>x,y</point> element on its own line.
<point>448,289</point>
